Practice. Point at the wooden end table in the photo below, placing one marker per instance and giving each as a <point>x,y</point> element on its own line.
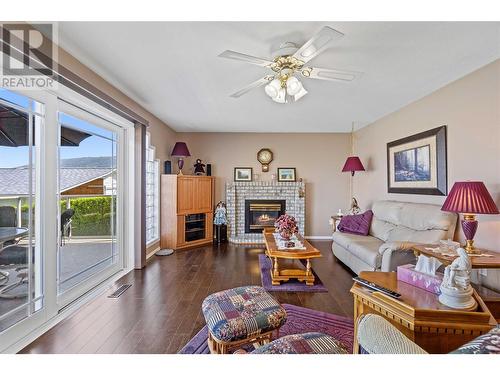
<point>478,261</point>
<point>294,270</point>
<point>485,259</point>
<point>419,315</point>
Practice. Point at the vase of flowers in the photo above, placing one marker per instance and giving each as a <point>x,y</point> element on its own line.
<point>286,226</point>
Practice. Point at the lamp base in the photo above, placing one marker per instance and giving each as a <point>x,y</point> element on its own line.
<point>164,252</point>
<point>469,226</point>
<point>180,164</point>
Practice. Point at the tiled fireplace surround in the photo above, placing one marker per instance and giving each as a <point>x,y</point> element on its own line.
<point>238,192</point>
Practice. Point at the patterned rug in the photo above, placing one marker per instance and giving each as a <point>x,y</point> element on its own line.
<point>289,286</point>
<point>299,320</point>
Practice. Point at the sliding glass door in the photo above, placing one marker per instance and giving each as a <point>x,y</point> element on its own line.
<point>66,197</point>
<point>90,248</point>
<point>21,287</point>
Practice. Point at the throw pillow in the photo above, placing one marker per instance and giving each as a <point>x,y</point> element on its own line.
<point>356,224</point>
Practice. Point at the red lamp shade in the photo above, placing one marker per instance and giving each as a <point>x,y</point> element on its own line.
<point>470,197</point>
<point>180,149</point>
<point>353,164</point>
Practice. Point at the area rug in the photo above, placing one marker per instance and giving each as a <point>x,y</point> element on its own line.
<point>288,286</point>
<point>299,320</point>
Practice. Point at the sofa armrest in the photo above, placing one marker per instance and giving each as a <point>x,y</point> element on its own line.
<point>396,245</point>
<point>395,254</point>
<point>377,336</point>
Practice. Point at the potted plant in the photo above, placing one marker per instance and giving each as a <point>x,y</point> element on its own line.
<point>286,226</point>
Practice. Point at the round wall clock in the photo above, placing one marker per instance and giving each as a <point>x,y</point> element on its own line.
<point>265,156</point>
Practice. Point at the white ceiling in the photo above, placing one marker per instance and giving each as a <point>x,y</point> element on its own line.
<point>172,69</point>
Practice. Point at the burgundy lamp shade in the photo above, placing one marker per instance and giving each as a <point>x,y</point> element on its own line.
<point>353,164</point>
<point>470,197</point>
<point>180,149</point>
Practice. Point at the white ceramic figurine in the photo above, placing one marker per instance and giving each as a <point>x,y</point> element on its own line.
<point>456,291</point>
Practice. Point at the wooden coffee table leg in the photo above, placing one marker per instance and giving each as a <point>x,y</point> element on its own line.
<point>309,274</point>
<point>275,273</point>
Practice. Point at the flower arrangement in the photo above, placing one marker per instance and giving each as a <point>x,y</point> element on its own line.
<point>286,226</point>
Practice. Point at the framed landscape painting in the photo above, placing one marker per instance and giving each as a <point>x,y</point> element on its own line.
<point>286,175</point>
<point>243,174</point>
<point>417,164</point>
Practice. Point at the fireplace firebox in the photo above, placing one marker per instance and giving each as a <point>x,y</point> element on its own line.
<point>262,213</point>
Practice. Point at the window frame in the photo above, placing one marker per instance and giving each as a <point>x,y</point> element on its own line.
<point>153,164</point>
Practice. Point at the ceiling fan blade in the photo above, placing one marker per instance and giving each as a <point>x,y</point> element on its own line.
<point>246,58</point>
<point>329,74</point>
<point>252,86</point>
<point>314,46</point>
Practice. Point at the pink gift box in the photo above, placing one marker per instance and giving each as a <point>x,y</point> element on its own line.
<point>408,275</point>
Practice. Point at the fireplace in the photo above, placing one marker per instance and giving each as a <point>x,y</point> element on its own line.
<point>262,213</point>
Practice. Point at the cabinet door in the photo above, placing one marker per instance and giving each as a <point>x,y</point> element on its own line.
<point>185,195</point>
<point>203,196</point>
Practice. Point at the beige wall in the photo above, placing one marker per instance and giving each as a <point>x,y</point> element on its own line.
<point>318,159</point>
<point>162,137</point>
<point>470,107</point>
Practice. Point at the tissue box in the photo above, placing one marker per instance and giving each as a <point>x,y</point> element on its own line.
<point>408,275</point>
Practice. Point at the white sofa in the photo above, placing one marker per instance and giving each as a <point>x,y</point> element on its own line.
<point>395,227</point>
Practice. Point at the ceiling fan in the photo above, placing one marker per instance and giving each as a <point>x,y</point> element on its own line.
<point>290,61</point>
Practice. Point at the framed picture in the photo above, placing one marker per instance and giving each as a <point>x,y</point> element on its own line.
<point>286,174</point>
<point>243,174</point>
<point>417,164</point>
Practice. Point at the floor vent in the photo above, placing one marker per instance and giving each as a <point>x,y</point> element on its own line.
<point>118,292</point>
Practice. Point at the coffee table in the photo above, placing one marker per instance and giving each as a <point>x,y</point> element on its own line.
<point>419,315</point>
<point>293,269</point>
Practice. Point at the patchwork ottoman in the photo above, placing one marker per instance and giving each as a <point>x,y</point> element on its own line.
<point>304,343</point>
<point>239,316</point>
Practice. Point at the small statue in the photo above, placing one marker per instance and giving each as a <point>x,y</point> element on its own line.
<point>199,168</point>
<point>456,291</point>
<point>354,207</point>
<point>220,214</point>
<point>457,274</point>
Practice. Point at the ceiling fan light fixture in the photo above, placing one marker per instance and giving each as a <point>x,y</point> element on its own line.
<point>273,88</point>
<point>281,97</point>
<point>293,86</point>
<point>300,94</point>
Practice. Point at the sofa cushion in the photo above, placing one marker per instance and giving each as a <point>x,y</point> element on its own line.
<point>357,224</point>
<point>401,233</point>
<point>425,217</point>
<point>381,229</point>
<point>362,247</point>
<point>387,211</point>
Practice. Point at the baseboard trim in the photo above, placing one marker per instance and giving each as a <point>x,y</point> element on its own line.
<point>65,313</point>
<point>153,252</point>
<point>329,238</point>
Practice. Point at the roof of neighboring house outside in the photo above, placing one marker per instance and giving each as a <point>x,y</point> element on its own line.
<point>15,181</point>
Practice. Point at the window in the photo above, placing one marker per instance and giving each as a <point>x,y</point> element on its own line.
<point>152,193</point>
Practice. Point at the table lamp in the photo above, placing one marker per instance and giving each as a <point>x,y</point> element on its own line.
<point>470,198</point>
<point>180,150</point>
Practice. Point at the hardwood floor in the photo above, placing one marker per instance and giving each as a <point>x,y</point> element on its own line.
<point>162,309</point>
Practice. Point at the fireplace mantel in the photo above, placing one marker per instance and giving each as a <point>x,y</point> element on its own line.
<point>238,192</point>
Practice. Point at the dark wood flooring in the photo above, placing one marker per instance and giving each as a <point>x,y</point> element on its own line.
<point>162,309</point>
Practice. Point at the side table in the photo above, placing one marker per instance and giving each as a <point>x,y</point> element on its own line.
<point>484,260</point>
<point>419,315</point>
<point>333,221</point>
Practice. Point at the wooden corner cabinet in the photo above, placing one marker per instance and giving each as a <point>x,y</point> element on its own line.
<point>186,211</point>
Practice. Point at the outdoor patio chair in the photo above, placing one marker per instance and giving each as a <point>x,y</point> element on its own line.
<point>15,257</point>
<point>66,218</point>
